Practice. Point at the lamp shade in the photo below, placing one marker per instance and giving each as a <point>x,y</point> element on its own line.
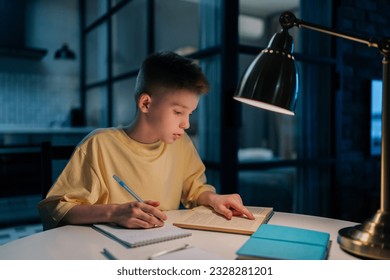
<point>271,80</point>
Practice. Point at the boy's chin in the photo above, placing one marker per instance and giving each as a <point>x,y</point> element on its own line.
<point>169,140</point>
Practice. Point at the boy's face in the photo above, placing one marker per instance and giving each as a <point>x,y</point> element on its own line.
<point>168,114</point>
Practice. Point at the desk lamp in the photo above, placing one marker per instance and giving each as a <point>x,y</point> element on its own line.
<point>271,82</point>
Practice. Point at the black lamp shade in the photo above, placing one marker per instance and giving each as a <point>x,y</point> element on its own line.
<point>271,81</point>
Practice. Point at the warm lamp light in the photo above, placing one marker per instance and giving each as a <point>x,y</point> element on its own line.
<point>271,83</point>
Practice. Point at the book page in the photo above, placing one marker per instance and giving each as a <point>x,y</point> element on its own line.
<point>259,211</point>
<point>212,219</point>
<point>205,218</point>
<point>256,211</point>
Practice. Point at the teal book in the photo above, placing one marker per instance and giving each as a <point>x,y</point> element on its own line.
<point>285,243</point>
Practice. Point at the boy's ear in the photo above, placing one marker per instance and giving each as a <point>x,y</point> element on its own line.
<point>144,102</point>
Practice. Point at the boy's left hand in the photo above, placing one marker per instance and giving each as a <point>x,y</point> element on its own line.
<point>229,205</point>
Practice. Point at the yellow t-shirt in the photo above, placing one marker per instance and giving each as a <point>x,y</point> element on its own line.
<point>168,173</point>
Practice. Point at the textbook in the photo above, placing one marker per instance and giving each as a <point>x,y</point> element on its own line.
<point>287,243</point>
<point>204,218</point>
<point>141,237</point>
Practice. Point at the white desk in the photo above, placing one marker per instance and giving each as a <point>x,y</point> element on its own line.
<point>83,242</point>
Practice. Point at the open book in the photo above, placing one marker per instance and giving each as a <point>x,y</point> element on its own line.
<point>140,237</point>
<point>206,219</point>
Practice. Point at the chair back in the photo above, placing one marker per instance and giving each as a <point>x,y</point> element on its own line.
<point>49,154</point>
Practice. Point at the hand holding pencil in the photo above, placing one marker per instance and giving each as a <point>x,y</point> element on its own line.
<point>144,214</point>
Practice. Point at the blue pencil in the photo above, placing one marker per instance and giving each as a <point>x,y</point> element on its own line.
<point>130,191</point>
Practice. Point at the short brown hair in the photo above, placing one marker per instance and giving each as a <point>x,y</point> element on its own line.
<point>168,70</point>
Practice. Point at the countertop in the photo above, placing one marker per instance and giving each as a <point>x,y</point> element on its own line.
<point>43,130</point>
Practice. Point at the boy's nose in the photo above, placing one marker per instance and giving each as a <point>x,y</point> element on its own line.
<point>185,124</point>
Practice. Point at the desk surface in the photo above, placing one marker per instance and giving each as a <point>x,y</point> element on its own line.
<point>83,242</point>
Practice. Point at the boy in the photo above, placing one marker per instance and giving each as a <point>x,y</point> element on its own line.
<point>153,155</point>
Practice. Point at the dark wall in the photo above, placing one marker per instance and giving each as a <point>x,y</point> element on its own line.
<point>357,171</point>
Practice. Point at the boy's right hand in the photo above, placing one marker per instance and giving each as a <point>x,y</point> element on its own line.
<point>138,215</point>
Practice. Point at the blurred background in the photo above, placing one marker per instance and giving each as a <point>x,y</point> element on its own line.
<point>67,67</point>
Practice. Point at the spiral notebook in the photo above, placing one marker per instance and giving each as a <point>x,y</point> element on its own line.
<point>141,237</point>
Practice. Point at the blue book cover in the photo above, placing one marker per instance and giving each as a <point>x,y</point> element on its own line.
<point>288,243</point>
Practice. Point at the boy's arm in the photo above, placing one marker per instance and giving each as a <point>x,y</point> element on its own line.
<point>129,215</point>
<point>228,205</point>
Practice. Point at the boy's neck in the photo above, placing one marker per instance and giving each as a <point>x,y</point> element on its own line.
<point>140,133</point>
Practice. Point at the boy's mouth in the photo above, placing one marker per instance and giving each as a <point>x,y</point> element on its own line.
<point>176,136</point>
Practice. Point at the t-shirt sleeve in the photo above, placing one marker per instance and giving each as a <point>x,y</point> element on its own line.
<point>78,184</point>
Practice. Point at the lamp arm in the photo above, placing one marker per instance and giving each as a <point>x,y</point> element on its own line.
<point>288,20</point>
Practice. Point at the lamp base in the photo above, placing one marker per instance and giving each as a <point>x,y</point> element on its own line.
<point>370,239</point>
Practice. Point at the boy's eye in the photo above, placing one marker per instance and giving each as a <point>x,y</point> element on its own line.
<point>178,112</point>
